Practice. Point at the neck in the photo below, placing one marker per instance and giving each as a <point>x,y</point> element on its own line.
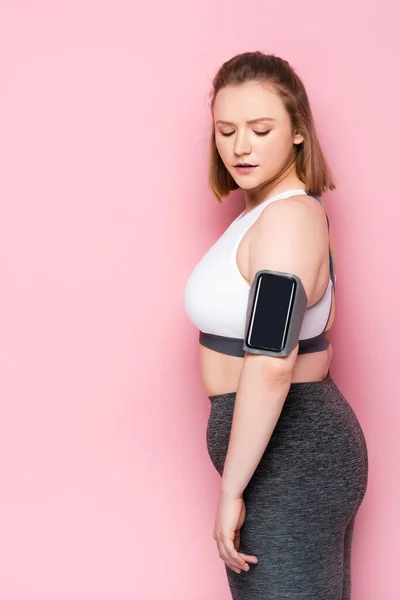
<point>281,183</point>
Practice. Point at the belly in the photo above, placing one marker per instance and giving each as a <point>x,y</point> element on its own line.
<point>220,373</point>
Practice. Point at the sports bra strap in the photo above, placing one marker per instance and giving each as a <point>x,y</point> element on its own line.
<point>331,262</point>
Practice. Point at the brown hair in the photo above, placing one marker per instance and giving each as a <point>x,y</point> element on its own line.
<point>311,165</point>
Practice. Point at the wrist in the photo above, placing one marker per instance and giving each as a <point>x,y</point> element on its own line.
<point>229,492</point>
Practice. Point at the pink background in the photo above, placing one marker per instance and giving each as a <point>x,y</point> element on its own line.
<point>107,491</point>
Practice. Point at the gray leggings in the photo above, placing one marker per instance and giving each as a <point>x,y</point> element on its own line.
<point>303,498</point>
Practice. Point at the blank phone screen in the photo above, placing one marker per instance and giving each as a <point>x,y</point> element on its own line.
<point>269,324</point>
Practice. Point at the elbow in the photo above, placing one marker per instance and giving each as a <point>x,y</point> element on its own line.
<point>276,368</point>
<point>270,368</point>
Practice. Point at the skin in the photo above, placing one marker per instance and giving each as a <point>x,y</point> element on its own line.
<point>262,382</point>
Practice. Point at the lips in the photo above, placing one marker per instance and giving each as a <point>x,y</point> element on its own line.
<point>244,165</point>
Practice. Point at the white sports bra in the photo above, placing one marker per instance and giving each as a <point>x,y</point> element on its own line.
<point>216,294</point>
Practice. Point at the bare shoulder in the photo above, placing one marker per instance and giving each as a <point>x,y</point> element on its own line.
<point>291,235</point>
<point>299,210</point>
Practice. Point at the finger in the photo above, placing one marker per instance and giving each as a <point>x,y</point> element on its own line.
<point>234,556</point>
<point>224,555</point>
<point>248,558</point>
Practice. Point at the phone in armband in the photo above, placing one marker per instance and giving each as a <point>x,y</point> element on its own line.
<point>275,312</point>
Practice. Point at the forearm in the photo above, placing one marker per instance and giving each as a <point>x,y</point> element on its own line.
<point>259,401</point>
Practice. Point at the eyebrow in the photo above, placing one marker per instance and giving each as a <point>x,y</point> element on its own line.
<point>248,122</point>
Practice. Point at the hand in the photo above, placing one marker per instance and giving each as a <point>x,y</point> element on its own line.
<point>231,513</point>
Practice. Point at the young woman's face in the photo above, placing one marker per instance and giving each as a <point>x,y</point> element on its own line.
<point>267,144</point>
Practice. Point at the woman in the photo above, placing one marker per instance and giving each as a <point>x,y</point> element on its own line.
<point>287,444</point>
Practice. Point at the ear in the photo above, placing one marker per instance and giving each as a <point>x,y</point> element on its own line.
<point>298,138</point>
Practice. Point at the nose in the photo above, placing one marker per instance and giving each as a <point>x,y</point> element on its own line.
<point>242,145</point>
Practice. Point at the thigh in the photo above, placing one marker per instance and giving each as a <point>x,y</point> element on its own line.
<point>294,564</point>
<point>299,545</point>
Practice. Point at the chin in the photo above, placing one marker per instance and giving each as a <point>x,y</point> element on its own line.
<point>248,185</point>
<point>245,181</point>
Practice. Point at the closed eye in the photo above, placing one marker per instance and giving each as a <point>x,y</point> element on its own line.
<point>260,133</point>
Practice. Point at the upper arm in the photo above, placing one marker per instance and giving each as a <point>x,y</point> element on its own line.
<point>291,236</point>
